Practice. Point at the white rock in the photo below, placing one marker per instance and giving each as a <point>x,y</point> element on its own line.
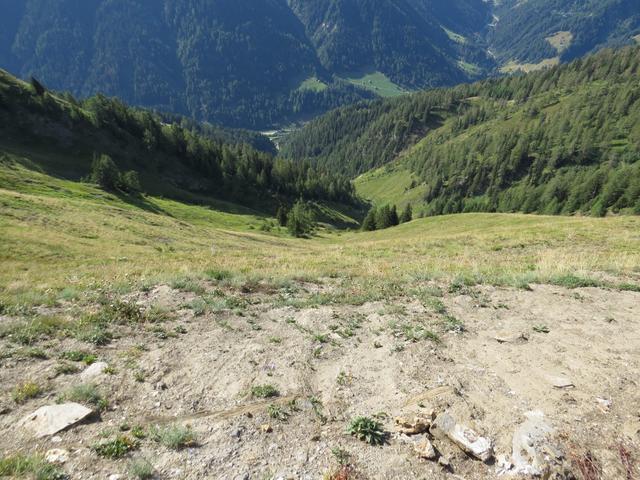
<point>57,456</point>
<point>116,476</point>
<point>528,442</point>
<point>424,448</point>
<point>465,438</point>
<point>52,419</point>
<point>94,370</point>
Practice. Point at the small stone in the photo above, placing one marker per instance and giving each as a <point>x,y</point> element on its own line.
<point>56,439</point>
<point>604,404</point>
<point>444,461</point>
<point>464,437</point>
<point>266,428</point>
<point>560,381</point>
<point>116,476</point>
<point>424,448</point>
<point>94,370</point>
<point>57,456</point>
<point>416,426</point>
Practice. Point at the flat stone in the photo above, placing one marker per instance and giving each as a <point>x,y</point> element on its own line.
<point>94,370</point>
<point>445,426</point>
<point>52,419</point>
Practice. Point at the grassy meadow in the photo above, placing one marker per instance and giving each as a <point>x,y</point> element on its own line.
<point>63,239</point>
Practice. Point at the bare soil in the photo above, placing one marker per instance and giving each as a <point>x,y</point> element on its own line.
<point>331,363</point>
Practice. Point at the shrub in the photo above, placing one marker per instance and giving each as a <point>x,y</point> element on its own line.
<point>26,391</point>
<point>174,436</point>
<point>264,391</point>
<point>300,220</point>
<point>32,466</point>
<point>141,468</point>
<point>86,393</point>
<point>105,173</point>
<point>115,448</point>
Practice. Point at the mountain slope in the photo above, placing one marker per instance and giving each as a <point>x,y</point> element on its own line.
<point>558,141</point>
<point>60,135</point>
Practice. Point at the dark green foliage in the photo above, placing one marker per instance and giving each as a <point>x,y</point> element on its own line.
<point>369,222</point>
<point>116,448</point>
<point>367,430</point>
<point>38,87</point>
<point>407,214</point>
<point>386,216</point>
<point>559,141</point>
<point>264,391</point>
<point>300,219</point>
<point>282,215</point>
<point>168,159</point>
<point>105,173</point>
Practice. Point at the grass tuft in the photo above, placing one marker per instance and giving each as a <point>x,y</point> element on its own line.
<point>367,430</point>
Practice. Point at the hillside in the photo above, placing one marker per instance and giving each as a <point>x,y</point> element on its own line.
<point>264,63</point>
<point>204,347</point>
<point>559,141</point>
<point>61,135</point>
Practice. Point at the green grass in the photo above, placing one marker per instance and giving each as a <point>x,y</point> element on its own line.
<point>116,448</point>
<point>54,231</point>
<point>264,391</point>
<point>29,466</point>
<point>378,83</point>
<point>86,393</point>
<point>313,84</point>
<point>175,437</point>
<point>26,391</point>
<point>389,185</point>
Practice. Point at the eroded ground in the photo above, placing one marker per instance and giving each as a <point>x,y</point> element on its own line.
<point>487,355</point>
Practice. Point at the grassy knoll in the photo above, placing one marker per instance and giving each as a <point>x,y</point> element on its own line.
<point>60,237</point>
<point>378,83</point>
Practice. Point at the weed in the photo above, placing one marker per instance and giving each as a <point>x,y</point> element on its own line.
<point>541,329</point>
<point>218,275</point>
<point>343,379</point>
<point>66,368</point>
<point>452,324</point>
<point>587,464</point>
<point>342,456</point>
<point>264,391</point>
<point>318,409</point>
<point>570,280</point>
<point>141,469</point>
<point>26,391</point>
<point>277,412</point>
<point>30,332</point>
<point>138,432</point>
<point>30,466</point>
<point>158,314</point>
<point>36,353</point>
<point>175,437</point>
<point>86,393</point>
<point>367,430</point>
<point>321,338</point>
<point>139,376</point>
<point>437,306</point>
<point>180,329</point>
<point>276,340</point>
<point>116,448</point>
<point>79,356</point>
<point>186,284</point>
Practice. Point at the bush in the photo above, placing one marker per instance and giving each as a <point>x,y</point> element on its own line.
<point>131,182</point>
<point>26,391</point>
<point>116,448</point>
<point>264,391</point>
<point>174,437</point>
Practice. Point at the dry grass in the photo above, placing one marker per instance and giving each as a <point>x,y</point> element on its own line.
<point>59,235</point>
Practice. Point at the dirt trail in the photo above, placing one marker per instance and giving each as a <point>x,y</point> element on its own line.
<point>331,363</point>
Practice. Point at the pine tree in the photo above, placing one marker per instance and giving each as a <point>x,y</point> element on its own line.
<point>369,222</point>
<point>281,215</point>
<point>393,216</point>
<point>407,214</point>
<point>300,220</point>
<point>105,173</point>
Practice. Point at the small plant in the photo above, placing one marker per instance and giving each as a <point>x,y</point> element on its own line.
<point>343,379</point>
<point>175,437</point>
<point>138,432</point>
<point>26,391</point>
<point>86,393</point>
<point>116,448</point>
<point>36,353</point>
<point>342,456</point>
<point>66,368</point>
<point>541,329</point>
<point>367,430</point>
<point>79,356</point>
<point>276,340</point>
<point>140,468</point>
<point>180,329</point>
<point>139,376</point>
<point>452,324</point>
<point>264,391</point>
<point>318,409</point>
<point>277,412</point>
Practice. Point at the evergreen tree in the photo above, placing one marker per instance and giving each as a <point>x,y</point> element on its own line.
<point>393,216</point>
<point>407,214</point>
<point>105,173</point>
<point>300,220</point>
<point>130,182</point>
<point>369,222</point>
<point>38,87</point>
<point>281,215</point>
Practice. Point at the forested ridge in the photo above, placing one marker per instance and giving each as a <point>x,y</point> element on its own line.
<point>169,158</point>
<point>561,140</point>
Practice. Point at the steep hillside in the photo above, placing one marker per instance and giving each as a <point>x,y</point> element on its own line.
<point>530,32</point>
<point>557,141</point>
<point>61,136</point>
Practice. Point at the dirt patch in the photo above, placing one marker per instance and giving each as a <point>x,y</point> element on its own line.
<point>572,355</point>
